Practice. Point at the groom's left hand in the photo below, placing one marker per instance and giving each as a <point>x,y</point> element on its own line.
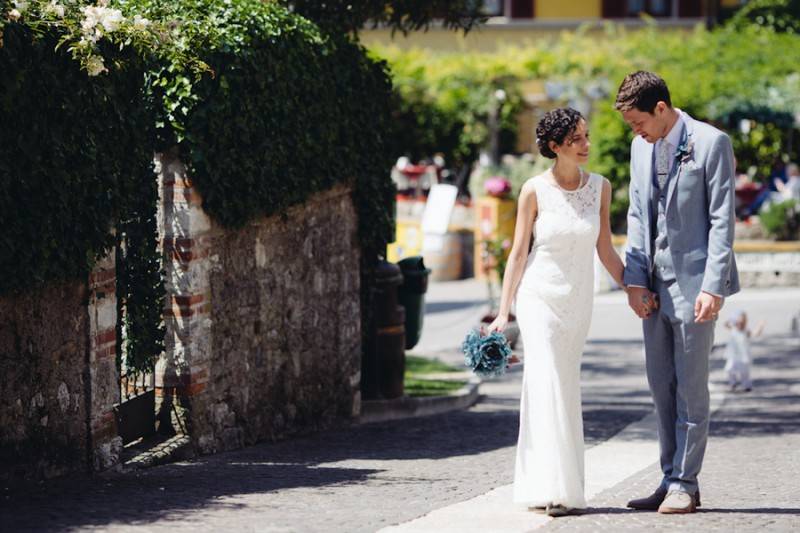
<point>706,307</point>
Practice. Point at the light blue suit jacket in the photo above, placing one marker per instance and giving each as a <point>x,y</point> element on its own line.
<point>699,213</point>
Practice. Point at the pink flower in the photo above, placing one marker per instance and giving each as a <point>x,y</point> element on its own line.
<point>497,186</point>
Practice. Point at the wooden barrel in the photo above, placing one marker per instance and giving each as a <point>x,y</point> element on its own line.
<point>443,255</point>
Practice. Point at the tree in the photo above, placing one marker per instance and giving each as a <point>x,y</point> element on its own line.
<point>782,16</point>
<point>400,15</point>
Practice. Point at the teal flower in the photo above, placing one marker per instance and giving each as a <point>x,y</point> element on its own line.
<point>486,356</point>
<point>685,151</point>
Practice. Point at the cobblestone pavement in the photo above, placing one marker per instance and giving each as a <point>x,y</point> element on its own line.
<point>353,479</point>
<point>366,477</point>
<point>750,475</point>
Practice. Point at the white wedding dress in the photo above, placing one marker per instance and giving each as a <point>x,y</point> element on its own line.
<point>554,308</point>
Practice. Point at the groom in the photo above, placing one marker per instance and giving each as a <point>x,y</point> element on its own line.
<point>679,268</point>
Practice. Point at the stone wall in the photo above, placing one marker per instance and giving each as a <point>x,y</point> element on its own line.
<point>761,263</point>
<point>104,392</point>
<point>768,264</point>
<point>59,380</point>
<point>263,327</point>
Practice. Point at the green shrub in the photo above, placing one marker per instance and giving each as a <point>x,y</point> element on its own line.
<point>443,104</point>
<point>781,220</point>
<point>722,76</point>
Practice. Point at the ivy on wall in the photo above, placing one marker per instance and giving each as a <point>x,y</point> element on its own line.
<point>71,151</point>
<point>265,108</point>
<point>140,281</point>
<point>290,110</point>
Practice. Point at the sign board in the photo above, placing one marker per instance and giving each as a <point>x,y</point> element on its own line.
<point>438,209</point>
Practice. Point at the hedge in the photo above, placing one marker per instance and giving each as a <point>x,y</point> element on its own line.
<point>723,76</point>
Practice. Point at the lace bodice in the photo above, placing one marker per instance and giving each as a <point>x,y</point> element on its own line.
<point>564,237</point>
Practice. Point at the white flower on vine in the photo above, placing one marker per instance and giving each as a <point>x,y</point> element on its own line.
<point>95,66</point>
<point>21,5</point>
<point>97,17</point>
<point>93,36</point>
<point>112,19</point>
<point>140,23</point>
<point>90,19</point>
<point>55,8</point>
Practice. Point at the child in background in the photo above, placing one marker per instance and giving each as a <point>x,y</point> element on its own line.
<point>737,351</point>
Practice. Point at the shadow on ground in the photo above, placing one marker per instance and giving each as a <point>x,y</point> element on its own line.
<point>615,394</point>
<point>441,307</point>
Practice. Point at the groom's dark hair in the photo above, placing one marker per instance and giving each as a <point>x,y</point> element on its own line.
<point>642,90</point>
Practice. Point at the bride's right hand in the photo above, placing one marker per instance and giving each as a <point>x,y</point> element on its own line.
<point>499,324</point>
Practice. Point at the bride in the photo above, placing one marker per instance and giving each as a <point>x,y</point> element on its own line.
<point>566,212</point>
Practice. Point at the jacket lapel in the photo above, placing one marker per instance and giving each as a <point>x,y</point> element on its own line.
<point>686,138</point>
<point>647,194</point>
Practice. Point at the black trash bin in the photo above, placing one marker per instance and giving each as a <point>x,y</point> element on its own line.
<point>411,295</point>
<point>384,361</point>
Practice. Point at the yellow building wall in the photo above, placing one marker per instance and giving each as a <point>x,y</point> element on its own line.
<point>573,9</point>
<point>481,39</point>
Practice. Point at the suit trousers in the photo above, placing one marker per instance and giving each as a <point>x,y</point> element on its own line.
<point>677,359</point>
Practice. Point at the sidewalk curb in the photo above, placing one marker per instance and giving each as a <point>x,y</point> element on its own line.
<point>409,407</point>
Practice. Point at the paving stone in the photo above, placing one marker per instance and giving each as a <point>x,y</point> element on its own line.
<point>750,474</point>
<point>354,479</point>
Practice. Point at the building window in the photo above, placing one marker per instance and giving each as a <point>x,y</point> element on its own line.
<point>493,8</point>
<point>634,8</point>
<point>655,8</point>
<point>509,8</point>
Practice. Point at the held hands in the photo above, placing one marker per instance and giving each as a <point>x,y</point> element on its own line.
<point>642,301</point>
<point>706,307</point>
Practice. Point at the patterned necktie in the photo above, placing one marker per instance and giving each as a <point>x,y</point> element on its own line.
<point>662,163</point>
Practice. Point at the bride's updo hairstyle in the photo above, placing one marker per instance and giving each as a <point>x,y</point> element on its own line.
<point>555,126</point>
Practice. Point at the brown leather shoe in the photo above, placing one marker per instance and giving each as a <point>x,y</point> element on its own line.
<point>653,502</point>
<point>678,502</point>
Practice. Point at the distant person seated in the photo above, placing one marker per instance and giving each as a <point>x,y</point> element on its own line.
<point>778,175</point>
<point>790,190</point>
<point>746,192</point>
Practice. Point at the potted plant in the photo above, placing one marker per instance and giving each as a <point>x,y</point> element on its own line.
<point>498,187</point>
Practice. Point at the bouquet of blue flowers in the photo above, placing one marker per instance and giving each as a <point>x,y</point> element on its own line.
<point>487,356</point>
